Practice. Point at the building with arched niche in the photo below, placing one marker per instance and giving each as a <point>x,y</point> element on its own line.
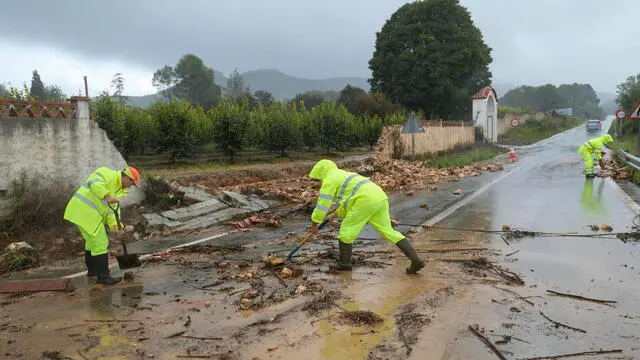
<point>485,113</point>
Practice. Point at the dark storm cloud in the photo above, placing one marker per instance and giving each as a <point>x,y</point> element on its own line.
<point>314,39</point>
<point>534,41</point>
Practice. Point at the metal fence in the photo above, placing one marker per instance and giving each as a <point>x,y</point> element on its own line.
<point>629,159</point>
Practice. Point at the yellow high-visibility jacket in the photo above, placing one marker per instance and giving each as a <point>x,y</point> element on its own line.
<point>88,209</point>
<point>341,187</point>
<point>594,146</point>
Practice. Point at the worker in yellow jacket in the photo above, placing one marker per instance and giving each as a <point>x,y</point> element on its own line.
<point>360,201</point>
<point>90,209</point>
<point>593,149</point>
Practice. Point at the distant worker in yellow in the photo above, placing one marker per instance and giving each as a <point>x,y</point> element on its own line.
<point>90,209</point>
<point>360,201</point>
<point>592,149</point>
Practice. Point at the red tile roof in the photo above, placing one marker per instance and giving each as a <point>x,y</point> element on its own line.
<point>484,93</point>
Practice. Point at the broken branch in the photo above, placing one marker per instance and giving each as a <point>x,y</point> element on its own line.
<point>599,352</point>
<point>451,250</point>
<point>562,325</point>
<point>578,297</point>
<point>487,342</point>
<point>516,295</point>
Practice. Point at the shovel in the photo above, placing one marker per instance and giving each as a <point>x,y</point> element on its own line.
<point>126,260</point>
<point>308,236</point>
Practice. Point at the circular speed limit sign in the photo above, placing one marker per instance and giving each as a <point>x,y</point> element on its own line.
<point>515,122</point>
<point>621,114</point>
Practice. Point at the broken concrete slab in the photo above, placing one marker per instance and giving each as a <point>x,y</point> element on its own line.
<point>195,193</point>
<point>195,210</point>
<point>213,219</point>
<point>234,199</point>
<point>156,221</point>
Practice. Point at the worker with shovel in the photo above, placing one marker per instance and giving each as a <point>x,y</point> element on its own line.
<point>360,201</point>
<point>90,210</point>
<point>593,149</point>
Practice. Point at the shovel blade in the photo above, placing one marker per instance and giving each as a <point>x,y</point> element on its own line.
<point>128,261</point>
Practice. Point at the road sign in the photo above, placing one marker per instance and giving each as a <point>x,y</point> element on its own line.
<point>635,114</point>
<point>412,126</point>
<point>621,114</point>
<point>515,122</point>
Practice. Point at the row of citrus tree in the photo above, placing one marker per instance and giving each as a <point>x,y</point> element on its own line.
<point>178,128</point>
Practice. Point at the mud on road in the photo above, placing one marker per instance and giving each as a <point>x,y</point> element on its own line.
<point>222,302</point>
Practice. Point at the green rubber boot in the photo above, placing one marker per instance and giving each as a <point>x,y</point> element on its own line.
<point>344,259</point>
<point>410,252</point>
<point>91,268</point>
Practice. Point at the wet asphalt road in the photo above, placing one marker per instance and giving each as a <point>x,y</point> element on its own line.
<point>547,192</point>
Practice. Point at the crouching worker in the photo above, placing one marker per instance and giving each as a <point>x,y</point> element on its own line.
<point>360,201</point>
<point>593,149</point>
<point>90,210</point>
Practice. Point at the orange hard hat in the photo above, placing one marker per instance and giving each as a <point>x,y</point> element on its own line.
<point>133,174</point>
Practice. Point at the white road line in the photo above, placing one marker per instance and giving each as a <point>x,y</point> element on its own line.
<point>445,213</point>
<point>625,197</point>
<point>144,257</point>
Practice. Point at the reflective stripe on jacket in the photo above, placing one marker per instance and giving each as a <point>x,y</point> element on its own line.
<point>341,187</point>
<point>87,207</point>
<point>595,145</point>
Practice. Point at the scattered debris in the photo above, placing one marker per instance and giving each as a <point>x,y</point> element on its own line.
<point>606,228</point>
<point>409,326</point>
<point>578,297</point>
<point>244,223</point>
<point>485,264</point>
<point>476,332</point>
<point>516,295</point>
<point>360,317</point>
<point>128,276</point>
<point>322,302</point>
<point>552,357</point>
<point>558,324</point>
<point>18,256</point>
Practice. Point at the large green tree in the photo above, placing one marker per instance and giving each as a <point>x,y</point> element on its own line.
<point>237,89</point>
<point>629,92</point>
<point>37,89</point>
<point>430,56</point>
<point>580,97</point>
<point>190,79</point>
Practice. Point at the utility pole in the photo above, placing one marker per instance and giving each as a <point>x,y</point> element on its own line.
<point>86,86</point>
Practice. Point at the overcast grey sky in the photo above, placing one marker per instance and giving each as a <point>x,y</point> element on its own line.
<point>534,42</point>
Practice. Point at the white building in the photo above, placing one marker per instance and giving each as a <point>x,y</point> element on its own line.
<point>485,112</point>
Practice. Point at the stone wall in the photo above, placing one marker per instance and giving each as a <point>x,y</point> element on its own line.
<point>56,141</point>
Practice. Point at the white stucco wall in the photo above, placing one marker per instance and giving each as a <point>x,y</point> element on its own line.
<point>61,149</point>
<point>481,117</point>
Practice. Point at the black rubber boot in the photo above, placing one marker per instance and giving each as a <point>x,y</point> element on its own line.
<point>410,252</point>
<point>101,263</point>
<point>88,261</point>
<point>344,259</point>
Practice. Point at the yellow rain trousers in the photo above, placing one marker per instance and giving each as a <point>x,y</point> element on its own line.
<point>590,201</point>
<point>360,201</point>
<point>88,210</point>
<point>591,149</point>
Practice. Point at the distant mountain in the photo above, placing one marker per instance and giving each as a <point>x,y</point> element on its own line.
<point>279,84</point>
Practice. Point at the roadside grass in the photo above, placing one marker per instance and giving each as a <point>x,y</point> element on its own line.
<point>462,155</point>
<point>535,130</point>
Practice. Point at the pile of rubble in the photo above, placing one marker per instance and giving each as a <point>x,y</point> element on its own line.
<point>615,169</point>
<point>390,175</point>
